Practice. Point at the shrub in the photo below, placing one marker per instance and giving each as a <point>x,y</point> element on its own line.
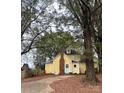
<point>29,73</point>
<point>37,72</point>
<point>32,73</point>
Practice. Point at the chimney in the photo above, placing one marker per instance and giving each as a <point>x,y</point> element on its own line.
<point>62,62</point>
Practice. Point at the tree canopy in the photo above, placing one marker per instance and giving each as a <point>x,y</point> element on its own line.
<point>49,45</point>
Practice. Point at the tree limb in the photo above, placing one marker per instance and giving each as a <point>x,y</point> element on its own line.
<point>74,12</point>
<point>84,3</point>
<point>25,28</point>
<point>97,8</point>
<point>28,48</point>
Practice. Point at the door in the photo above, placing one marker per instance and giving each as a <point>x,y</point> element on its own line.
<point>66,69</point>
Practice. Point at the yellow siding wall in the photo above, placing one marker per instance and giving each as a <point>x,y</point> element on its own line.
<point>75,70</point>
<point>48,68</point>
<point>53,67</point>
<point>82,68</point>
<point>74,58</point>
<point>56,64</point>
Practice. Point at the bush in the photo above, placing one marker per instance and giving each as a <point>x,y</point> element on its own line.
<point>37,72</point>
<point>33,72</point>
<point>29,73</point>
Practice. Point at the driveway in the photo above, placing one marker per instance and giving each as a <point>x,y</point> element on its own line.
<point>40,86</point>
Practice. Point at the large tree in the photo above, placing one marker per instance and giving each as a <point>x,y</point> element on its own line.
<point>85,11</point>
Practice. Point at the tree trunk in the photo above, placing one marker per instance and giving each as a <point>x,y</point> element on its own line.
<point>100,50</point>
<point>90,71</point>
<point>100,61</point>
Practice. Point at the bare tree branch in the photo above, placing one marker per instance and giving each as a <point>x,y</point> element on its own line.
<point>97,8</point>
<point>28,48</point>
<point>74,12</point>
<point>86,5</point>
<point>25,28</point>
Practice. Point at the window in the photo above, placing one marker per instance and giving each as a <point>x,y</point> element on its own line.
<point>67,66</point>
<point>74,65</point>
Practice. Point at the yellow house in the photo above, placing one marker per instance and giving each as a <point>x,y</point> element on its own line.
<point>71,65</point>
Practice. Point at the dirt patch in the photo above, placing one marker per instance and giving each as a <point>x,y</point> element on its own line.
<point>40,86</point>
<point>74,85</point>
